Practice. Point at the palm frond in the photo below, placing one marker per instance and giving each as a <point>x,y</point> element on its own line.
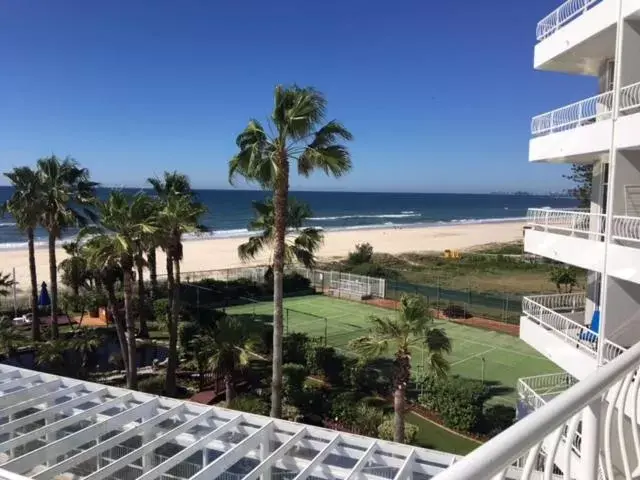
<point>251,248</point>
<point>437,340</point>
<point>370,346</point>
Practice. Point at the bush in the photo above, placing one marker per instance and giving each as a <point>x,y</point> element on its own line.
<point>153,385</point>
<point>161,311</point>
<point>364,378</point>
<point>372,270</point>
<point>343,408</point>
<point>294,348</point>
<point>294,282</point>
<point>294,377</point>
<point>455,311</point>
<point>316,401</point>
<point>368,420</point>
<point>186,332</point>
<point>459,401</point>
<point>250,404</point>
<point>497,418</point>
<point>362,254</point>
<point>385,431</point>
<point>327,362</point>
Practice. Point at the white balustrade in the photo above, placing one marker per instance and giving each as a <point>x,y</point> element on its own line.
<point>611,350</point>
<point>543,431</point>
<point>574,333</point>
<point>630,98</point>
<point>625,228</point>
<point>567,221</point>
<point>589,110</point>
<point>562,15</point>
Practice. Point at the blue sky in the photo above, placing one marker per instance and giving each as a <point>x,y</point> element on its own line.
<point>439,95</point>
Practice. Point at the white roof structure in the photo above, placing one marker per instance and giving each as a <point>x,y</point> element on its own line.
<point>59,428</point>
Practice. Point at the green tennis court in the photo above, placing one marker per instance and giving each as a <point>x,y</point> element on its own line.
<point>500,358</point>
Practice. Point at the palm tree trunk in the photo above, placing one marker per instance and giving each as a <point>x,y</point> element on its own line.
<point>153,271</point>
<point>53,274</point>
<point>172,364</point>
<point>280,207</point>
<point>132,374</point>
<point>402,376</point>
<point>229,392</point>
<point>35,325</point>
<point>142,304</point>
<point>122,339</point>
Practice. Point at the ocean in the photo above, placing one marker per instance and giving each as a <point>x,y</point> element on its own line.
<point>229,211</point>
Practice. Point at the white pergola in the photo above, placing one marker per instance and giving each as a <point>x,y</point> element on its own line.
<point>59,428</point>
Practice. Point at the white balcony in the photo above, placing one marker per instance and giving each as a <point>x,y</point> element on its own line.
<point>578,132</point>
<point>568,236</point>
<point>561,16</point>
<point>623,257</point>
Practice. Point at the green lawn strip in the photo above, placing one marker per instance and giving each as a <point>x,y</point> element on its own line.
<point>436,437</point>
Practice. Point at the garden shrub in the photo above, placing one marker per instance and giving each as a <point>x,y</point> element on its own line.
<point>294,376</point>
<point>368,420</point>
<point>459,401</point>
<point>153,385</point>
<point>250,404</point>
<point>326,361</point>
<point>291,413</point>
<point>294,348</point>
<point>343,407</point>
<point>362,254</point>
<point>294,282</point>
<point>455,311</point>
<point>497,418</point>
<point>161,310</point>
<point>385,431</point>
<point>186,332</point>
<point>371,270</point>
<point>316,399</point>
<point>365,378</point>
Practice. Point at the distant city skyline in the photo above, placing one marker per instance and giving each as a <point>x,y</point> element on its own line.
<point>129,99</point>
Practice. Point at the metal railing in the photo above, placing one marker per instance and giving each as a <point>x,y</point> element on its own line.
<point>611,350</point>
<point>625,228</point>
<point>630,98</point>
<point>562,416</point>
<point>589,110</point>
<point>561,16</point>
<point>571,222</point>
<point>544,310</point>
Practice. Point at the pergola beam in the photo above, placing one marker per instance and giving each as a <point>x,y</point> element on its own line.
<point>70,420</point>
<point>27,393</point>
<point>50,412</point>
<point>96,450</point>
<point>276,455</point>
<point>41,400</point>
<point>58,447</point>
<point>317,460</point>
<point>148,447</point>
<point>355,471</point>
<point>406,471</point>
<point>228,458</point>
<point>185,453</point>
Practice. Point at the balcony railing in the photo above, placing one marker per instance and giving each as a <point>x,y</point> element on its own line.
<point>546,311</point>
<point>562,15</point>
<point>584,112</point>
<point>561,417</point>
<point>539,390</point>
<point>573,222</point>
<point>625,228</point>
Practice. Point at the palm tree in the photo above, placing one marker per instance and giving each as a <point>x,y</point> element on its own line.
<point>296,134</point>
<point>25,206</point>
<point>229,345</point>
<point>302,247</point>
<point>6,284</point>
<point>124,221</point>
<point>67,191</point>
<point>202,349</point>
<point>74,267</point>
<point>412,327</point>
<point>179,214</point>
<point>85,342</point>
<point>50,355</point>
<point>10,337</point>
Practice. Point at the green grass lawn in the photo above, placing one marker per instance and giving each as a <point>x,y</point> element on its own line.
<point>501,358</point>
<point>435,437</point>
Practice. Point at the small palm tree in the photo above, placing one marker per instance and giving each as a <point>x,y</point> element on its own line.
<point>202,349</point>
<point>74,267</point>
<point>296,133</point>
<point>50,355</point>
<point>26,207</point>
<point>412,327</point>
<point>300,246</point>
<point>10,337</point>
<point>179,214</point>
<point>6,284</point>
<point>229,345</point>
<point>67,190</point>
<point>85,342</point>
<point>124,221</point>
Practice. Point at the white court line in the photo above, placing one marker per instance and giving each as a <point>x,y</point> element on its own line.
<point>472,356</point>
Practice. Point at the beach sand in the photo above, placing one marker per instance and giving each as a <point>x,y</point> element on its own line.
<point>212,254</point>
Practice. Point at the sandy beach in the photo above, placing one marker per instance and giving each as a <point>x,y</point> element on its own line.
<point>221,253</point>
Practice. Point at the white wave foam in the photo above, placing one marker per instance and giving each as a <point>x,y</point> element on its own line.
<point>406,214</point>
<point>7,224</point>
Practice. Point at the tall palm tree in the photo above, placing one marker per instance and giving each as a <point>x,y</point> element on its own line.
<point>296,133</point>
<point>301,246</point>
<point>124,221</point>
<point>179,214</point>
<point>26,206</point>
<point>67,192</point>
<point>412,327</point>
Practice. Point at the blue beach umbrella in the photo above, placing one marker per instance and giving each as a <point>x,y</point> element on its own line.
<point>43,299</point>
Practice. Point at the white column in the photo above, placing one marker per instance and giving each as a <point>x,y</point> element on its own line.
<point>264,453</point>
<point>590,447</point>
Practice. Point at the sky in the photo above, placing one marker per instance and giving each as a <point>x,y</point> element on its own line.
<point>439,95</point>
